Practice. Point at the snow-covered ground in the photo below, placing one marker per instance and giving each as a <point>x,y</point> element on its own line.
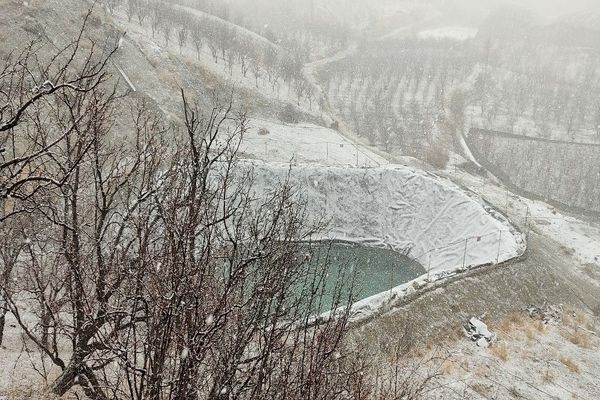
<point>578,236</point>
<point>530,360</point>
<point>428,218</point>
<point>526,126</point>
<point>449,32</point>
<point>305,143</point>
<point>157,47</point>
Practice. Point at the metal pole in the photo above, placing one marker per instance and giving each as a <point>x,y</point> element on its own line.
<point>527,223</point>
<point>429,267</point>
<point>327,147</point>
<point>499,242</point>
<point>356,147</point>
<point>392,275</point>
<point>465,253</point>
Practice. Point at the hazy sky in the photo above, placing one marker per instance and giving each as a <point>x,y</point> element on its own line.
<point>553,8</point>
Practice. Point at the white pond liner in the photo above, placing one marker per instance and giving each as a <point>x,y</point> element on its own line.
<point>427,218</point>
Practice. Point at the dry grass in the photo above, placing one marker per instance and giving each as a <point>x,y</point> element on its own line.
<point>454,334</point>
<point>28,392</point>
<point>511,323</point>
<point>533,329</point>
<point>548,376</point>
<point>516,325</point>
<point>592,271</point>
<point>574,322</point>
<point>579,338</point>
<point>482,389</point>
<point>500,350</point>
<point>570,364</point>
<point>573,317</point>
<point>450,366</point>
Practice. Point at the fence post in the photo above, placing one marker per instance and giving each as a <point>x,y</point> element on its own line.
<point>356,147</point>
<point>465,253</point>
<point>266,151</point>
<point>499,242</point>
<point>327,147</point>
<point>429,267</point>
<point>507,202</point>
<point>527,223</point>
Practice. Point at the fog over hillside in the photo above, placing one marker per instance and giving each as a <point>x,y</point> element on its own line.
<point>299,199</point>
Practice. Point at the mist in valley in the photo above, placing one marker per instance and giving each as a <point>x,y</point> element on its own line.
<point>299,199</point>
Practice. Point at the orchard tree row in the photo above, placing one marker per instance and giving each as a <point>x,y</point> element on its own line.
<point>229,45</point>
<point>393,93</point>
<point>535,90</point>
<point>284,23</point>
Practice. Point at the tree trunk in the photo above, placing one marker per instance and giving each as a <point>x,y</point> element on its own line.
<point>2,323</point>
<point>65,381</point>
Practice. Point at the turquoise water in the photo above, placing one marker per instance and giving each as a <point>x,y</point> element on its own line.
<point>363,271</point>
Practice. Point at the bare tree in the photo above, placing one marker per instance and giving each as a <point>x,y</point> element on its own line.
<point>132,9</point>
<point>29,92</point>
<point>255,67</point>
<point>197,40</point>
<point>214,50</point>
<point>171,278</point>
<point>182,36</point>
<point>112,5</point>
<point>166,31</point>
<point>156,16</point>
<point>231,56</point>
<point>12,243</point>
<point>143,11</point>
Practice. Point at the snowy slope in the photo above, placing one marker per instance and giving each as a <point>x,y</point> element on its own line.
<point>305,143</point>
<point>459,33</point>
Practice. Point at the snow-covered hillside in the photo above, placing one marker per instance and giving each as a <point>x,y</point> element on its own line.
<point>305,143</point>
<point>449,32</point>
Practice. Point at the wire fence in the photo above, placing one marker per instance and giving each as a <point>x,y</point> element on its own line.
<point>331,153</point>
<point>461,255</point>
<point>518,211</point>
<point>465,253</point>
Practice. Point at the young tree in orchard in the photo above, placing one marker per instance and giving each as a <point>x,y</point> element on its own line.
<point>197,39</point>
<point>182,37</point>
<point>456,109</point>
